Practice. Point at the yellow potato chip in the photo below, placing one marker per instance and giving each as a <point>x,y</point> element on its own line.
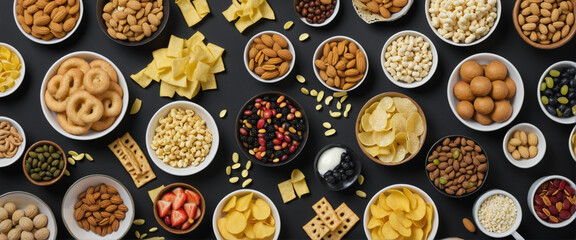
<point>410,197</point>
<point>263,230</point>
<point>374,150</point>
<point>297,175</point>
<point>5,53</point>
<point>365,123</point>
<point>374,222</point>
<point>195,39</point>
<point>389,156</point>
<point>142,79</point>
<point>167,90</point>
<point>378,211</point>
<point>261,210</point>
<point>202,7</point>
<point>136,106</point>
<point>301,188</point>
<point>388,232</point>
<point>378,120</point>
<point>412,143</point>
<point>384,139</point>
<point>243,202</point>
<point>398,123</point>
<point>398,226</point>
<point>414,124</point>
<point>417,233</point>
<point>400,138</point>
<point>210,84</point>
<point>236,222</point>
<point>287,191</point>
<point>249,231</point>
<point>396,200</point>
<point>420,211</point>
<point>248,12</point>
<point>175,47</point>
<point>154,192</point>
<point>400,153</point>
<point>221,224</point>
<point>271,220</point>
<point>366,139</point>
<point>371,108</point>
<point>429,217</point>
<point>189,12</point>
<point>385,104</point>
<point>231,204</point>
<point>404,105</point>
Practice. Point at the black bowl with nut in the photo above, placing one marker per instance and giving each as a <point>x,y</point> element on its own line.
<point>44,163</point>
<point>271,129</point>
<point>132,24</point>
<point>337,167</point>
<point>456,166</point>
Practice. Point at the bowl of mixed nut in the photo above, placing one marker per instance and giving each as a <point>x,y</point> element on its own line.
<point>271,129</point>
<point>340,63</point>
<point>269,56</point>
<point>182,138</point>
<point>456,166</point>
<point>317,13</point>
<point>551,200</point>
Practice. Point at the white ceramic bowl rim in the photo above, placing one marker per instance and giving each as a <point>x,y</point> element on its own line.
<point>421,192</point>
<point>528,128</point>
<point>20,79</point>
<point>4,162</point>
<point>432,68</point>
<point>51,116</point>
<point>42,206</point>
<point>570,145</point>
<point>530,200</point>
<point>257,194</point>
<point>561,64</point>
<point>326,22</point>
<point>482,198</point>
<point>477,41</point>
<point>247,50</point>
<point>210,124</point>
<point>516,101</point>
<point>69,201</point>
<point>53,40</point>
<point>318,52</point>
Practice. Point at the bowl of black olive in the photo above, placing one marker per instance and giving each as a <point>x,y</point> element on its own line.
<point>336,167</point>
<point>557,92</point>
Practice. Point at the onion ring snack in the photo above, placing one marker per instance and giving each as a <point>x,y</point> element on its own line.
<point>106,67</point>
<point>104,123</point>
<point>74,62</point>
<point>83,108</point>
<point>70,127</point>
<point>112,102</point>
<point>96,81</point>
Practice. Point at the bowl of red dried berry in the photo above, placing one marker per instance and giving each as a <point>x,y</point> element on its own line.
<point>337,167</point>
<point>551,200</point>
<point>271,129</point>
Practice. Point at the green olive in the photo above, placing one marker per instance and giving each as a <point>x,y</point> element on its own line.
<point>559,113</point>
<point>544,100</point>
<point>564,90</point>
<point>542,86</point>
<point>563,100</point>
<point>554,73</point>
<point>436,162</point>
<point>456,154</point>
<point>549,82</point>
<point>443,181</point>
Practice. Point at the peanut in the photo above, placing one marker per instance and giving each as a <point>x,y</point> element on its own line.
<point>545,22</point>
<point>132,20</point>
<point>342,65</point>
<point>269,56</point>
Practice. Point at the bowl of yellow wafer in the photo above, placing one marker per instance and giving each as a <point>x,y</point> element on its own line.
<point>12,70</point>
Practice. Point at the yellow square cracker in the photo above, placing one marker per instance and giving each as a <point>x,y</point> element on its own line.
<point>202,7</point>
<point>167,90</point>
<point>175,47</point>
<point>287,191</point>
<point>133,159</point>
<point>326,213</point>
<point>216,51</point>
<point>348,218</point>
<point>189,91</point>
<point>189,12</point>
<point>201,72</point>
<point>267,11</point>
<point>218,66</point>
<point>301,188</point>
<point>161,59</point>
<point>141,78</point>
<point>197,38</point>
<point>210,83</point>
<point>316,229</point>
<point>152,71</point>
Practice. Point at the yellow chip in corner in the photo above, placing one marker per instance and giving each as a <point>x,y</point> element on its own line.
<point>154,192</point>
<point>287,191</point>
<point>297,175</point>
<point>301,188</point>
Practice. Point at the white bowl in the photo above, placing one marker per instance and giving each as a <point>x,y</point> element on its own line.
<point>512,230</point>
<point>218,211</point>
<point>393,16</point>
<point>210,124</point>
<point>4,162</point>
<point>528,128</point>
<point>318,54</point>
<point>414,189</point>
<point>53,40</point>
<point>462,44</point>
<point>432,68</point>
<point>51,116</point>
<point>22,199</point>
<point>20,79</point>
<point>572,147</point>
<point>516,101</point>
<point>558,65</point>
<point>71,197</point>
<point>328,20</point>
<point>246,60</point>
<point>532,192</point>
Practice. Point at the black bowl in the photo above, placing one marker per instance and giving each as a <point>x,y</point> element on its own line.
<point>439,143</point>
<point>293,155</point>
<point>165,9</point>
<point>342,184</point>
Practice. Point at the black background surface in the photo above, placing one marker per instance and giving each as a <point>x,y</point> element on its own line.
<point>235,86</point>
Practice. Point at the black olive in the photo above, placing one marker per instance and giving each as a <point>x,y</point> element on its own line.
<point>548,92</point>
<point>350,172</point>
<point>551,109</point>
<point>552,102</point>
<point>567,112</point>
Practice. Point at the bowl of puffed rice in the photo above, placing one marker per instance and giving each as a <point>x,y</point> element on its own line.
<point>463,23</point>
<point>498,214</point>
<point>182,138</point>
<point>409,59</point>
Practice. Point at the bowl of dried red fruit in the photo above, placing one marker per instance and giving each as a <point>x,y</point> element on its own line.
<point>179,208</point>
<point>551,200</point>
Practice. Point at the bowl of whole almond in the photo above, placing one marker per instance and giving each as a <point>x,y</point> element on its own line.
<point>269,56</point>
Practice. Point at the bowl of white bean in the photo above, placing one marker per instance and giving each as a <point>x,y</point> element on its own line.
<point>409,59</point>
<point>462,24</point>
<point>182,138</point>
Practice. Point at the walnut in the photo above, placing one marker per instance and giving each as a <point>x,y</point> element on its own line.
<point>5,226</point>
<point>10,207</point>
<point>26,224</point>
<point>40,221</point>
<point>26,236</point>
<point>31,211</point>
<point>3,214</point>
<point>17,215</point>
<point>14,234</point>
<point>42,234</point>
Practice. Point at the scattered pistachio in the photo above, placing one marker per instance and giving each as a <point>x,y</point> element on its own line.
<point>304,91</point>
<point>236,165</point>
<point>303,37</point>
<point>320,96</point>
<point>313,93</point>
<point>78,157</point>
<point>89,157</point>
<point>330,132</point>
<point>228,170</point>
<point>143,235</point>
<point>71,161</point>
<point>246,182</point>
<point>235,157</point>
<point>328,100</point>
<point>72,153</point>
<point>223,113</point>
<point>137,234</point>
<point>319,107</point>
<point>288,25</point>
<point>339,94</point>
<point>327,125</point>
<point>335,114</point>
<point>67,173</point>
<point>338,105</point>
<point>300,78</point>
<point>139,222</point>
<point>154,229</point>
<point>343,98</point>
<point>233,179</point>
<point>361,193</point>
<point>244,173</point>
<point>361,179</point>
<point>248,165</point>
<point>348,107</point>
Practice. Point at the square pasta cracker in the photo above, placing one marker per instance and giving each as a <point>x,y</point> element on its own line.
<point>348,218</point>
<point>286,191</point>
<point>315,228</point>
<point>326,213</point>
<point>133,159</point>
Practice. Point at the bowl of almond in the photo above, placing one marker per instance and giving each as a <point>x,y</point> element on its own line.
<point>269,56</point>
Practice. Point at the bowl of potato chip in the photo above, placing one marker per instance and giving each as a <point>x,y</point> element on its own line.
<point>572,143</point>
<point>13,69</point>
<point>391,128</point>
<point>230,222</point>
<point>397,204</point>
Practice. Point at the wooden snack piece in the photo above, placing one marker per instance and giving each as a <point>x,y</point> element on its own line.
<point>316,229</point>
<point>327,214</point>
<point>348,218</point>
<point>133,160</point>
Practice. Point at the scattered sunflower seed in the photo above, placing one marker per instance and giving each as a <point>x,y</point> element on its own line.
<point>71,161</point>
<point>300,78</point>
<point>244,173</point>
<point>330,132</point>
<point>139,222</point>
<point>361,193</point>
<point>228,170</point>
<point>78,157</point>
<point>304,91</point>
<point>143,235</point>
<point>327,125</point>
<point>340,94</point>
<point>338,105</point>
<point>313,93</point>
<point>67,173</point>
<point>72,153</point>
<point>233,179</point>
<point>288,25</point>
<point>236,165</point>
<point>154,229</point>
<point>248,165</point>
<point>343,98</point>
<point>335,114</point>
<point>235,157</point>
<point>361,179</point>
<point>223,113</point>
<point>320,96</point>
<point>348,106</point>
<point>328,100</point>
<point>303,37</point>
<point>155,238</point>
<point>136,106</point>
<point>137,234</point>
<point>319,107</point>
<point>246,182</point>
<point>89,157</point>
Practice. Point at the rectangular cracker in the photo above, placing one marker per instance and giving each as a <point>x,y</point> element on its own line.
<point>348,218</point>
<point>133,159</point>
<point>326,213</point>
<point>286,191</point>
<point>315,228</point>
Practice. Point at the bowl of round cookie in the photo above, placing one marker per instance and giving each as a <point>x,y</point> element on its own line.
<point>84,96</point>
